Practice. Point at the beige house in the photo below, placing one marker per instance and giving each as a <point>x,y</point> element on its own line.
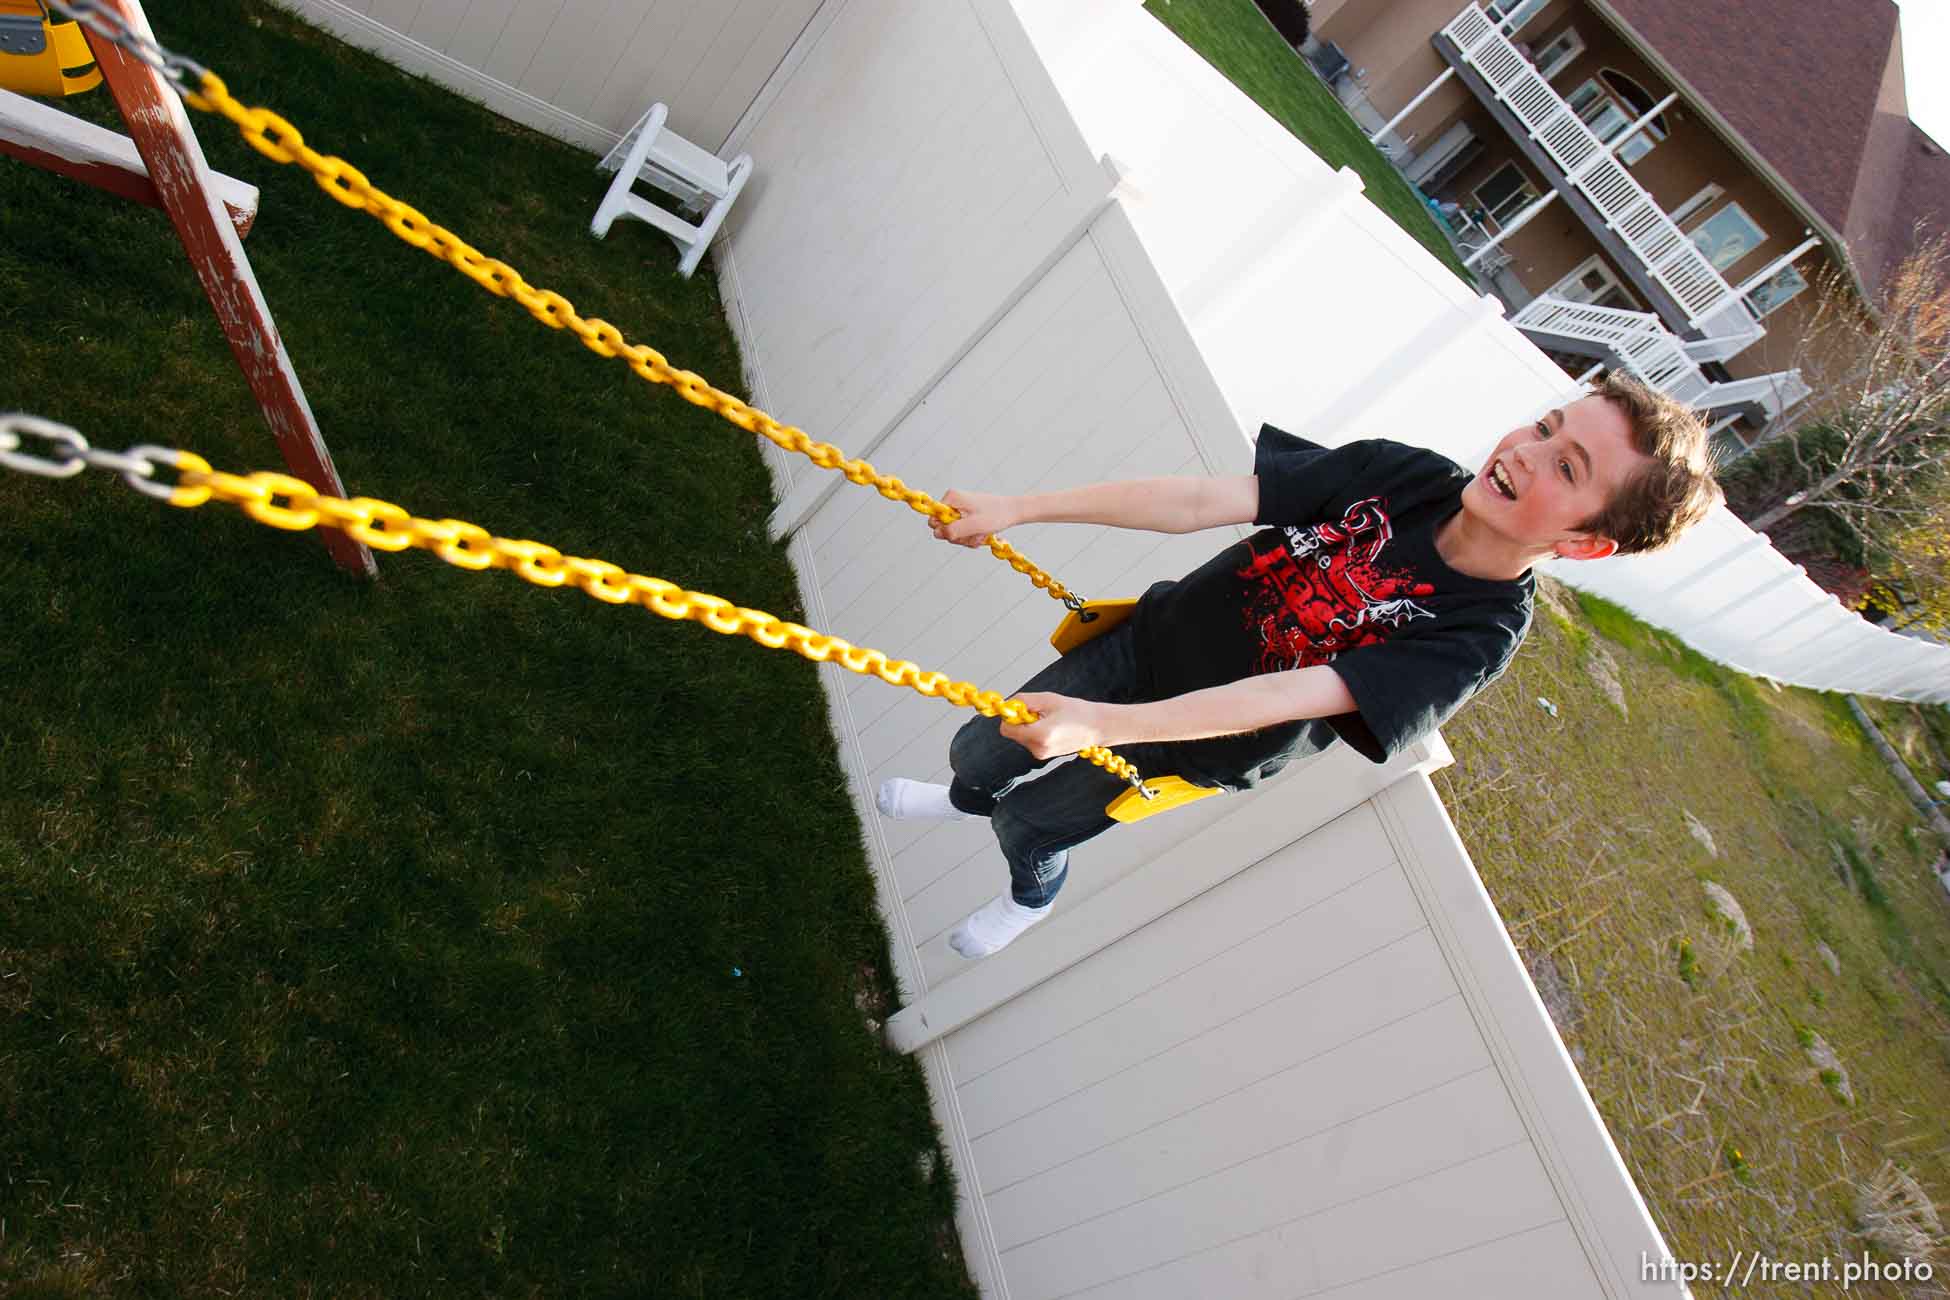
<point>1652,183</point>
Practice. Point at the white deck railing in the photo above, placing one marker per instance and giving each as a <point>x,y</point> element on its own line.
<point>1728,332</point>
<point>1642,344</point>
<point>1646,348</point>
<point>1775,393</point>
<point>1668,255</point>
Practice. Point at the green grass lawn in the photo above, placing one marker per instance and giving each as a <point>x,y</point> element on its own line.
<point>446,935</point>
<point>1234,37</point>
<point>1704,1056</point>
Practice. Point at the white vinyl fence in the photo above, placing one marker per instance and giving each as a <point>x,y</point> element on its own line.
<point>580,70</point>
<point>1269,1045</point>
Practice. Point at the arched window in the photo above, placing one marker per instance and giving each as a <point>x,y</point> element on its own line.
<point>1612,101</point>
<point>1638,97</point>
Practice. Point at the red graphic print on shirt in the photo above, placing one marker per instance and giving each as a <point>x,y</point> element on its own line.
<point>1322,590</point>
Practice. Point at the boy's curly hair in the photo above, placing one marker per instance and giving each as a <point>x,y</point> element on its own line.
<point>1652,508</point>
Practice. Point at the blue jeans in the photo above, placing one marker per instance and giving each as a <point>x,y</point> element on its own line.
<point>1037,822</point>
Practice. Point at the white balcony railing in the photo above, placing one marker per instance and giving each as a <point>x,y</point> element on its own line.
<point>1645,347</point>
<point>1669,257</point>
<point>1774,393</point>
<point>1728,332</point>
<point>1642,344</point>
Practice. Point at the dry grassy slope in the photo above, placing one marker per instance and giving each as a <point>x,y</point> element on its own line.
<point>1920,735</point>
<point>1692,1048</point>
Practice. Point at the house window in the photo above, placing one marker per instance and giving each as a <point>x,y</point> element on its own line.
<point>1558,53</point>
<point>1504,193</point>
<point>1774,291</point>
<point>1638,102</point>
<point>1593,282</point>
<point>1512,14</point>
<point>1611,102</point>
<point>1727,236</point>
<point>1694,204</point>
<point>1595,109</point>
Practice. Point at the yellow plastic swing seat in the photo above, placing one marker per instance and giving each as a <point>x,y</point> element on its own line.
<point>1092,621</point>
<point>39,56</point>
<point>1167,792</point>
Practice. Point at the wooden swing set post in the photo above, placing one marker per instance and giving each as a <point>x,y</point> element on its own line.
<point>159,126</point>
<point>63,144</point>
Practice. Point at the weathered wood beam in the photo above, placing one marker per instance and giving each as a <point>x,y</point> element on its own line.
<point>159,125</point>
<point>62,143</point>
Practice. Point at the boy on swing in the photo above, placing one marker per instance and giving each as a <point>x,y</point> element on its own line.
<point>1388,586</point>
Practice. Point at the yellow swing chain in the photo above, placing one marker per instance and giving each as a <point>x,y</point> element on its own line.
<point>292,504</point>
<point>281,142</point>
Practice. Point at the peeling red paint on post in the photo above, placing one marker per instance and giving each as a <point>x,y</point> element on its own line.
<point>104,176</point>
<point>45,137</point>
<point>159,125</point>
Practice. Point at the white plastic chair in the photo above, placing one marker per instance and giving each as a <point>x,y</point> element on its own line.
<point>701,181</point>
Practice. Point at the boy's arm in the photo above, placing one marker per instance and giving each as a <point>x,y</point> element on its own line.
<point>1066,724</point>
<point>1162,505</point>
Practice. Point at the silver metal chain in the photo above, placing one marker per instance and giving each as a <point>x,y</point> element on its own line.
<point>186,75</point>
<point>71,453</point>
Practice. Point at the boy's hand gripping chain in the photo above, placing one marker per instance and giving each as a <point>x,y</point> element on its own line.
<point>292,504</point>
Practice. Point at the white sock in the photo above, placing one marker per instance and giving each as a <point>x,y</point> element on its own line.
<point>902,798</point>
<point>994,926</point>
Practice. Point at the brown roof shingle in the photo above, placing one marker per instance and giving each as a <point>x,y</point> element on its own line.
<point>1816,88</point>
<point>1925,196</point>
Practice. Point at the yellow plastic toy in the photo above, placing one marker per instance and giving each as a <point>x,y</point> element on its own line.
<point>39,56</point>
<point>1091,619</point>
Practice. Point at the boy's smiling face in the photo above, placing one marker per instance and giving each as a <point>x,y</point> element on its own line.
<point>1543,480</point>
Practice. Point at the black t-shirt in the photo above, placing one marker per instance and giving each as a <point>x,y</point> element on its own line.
<point>1346,574</point>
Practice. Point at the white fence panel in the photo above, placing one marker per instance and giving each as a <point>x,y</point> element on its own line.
<point>1315,313</point>
<point>870,257</point>
<point>1190,1034</point>
<point>1255,1095</point>
<point>1728,593</point>
<point>583,70</point>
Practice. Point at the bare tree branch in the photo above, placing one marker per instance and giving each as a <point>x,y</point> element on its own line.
<point>1876,429</point>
